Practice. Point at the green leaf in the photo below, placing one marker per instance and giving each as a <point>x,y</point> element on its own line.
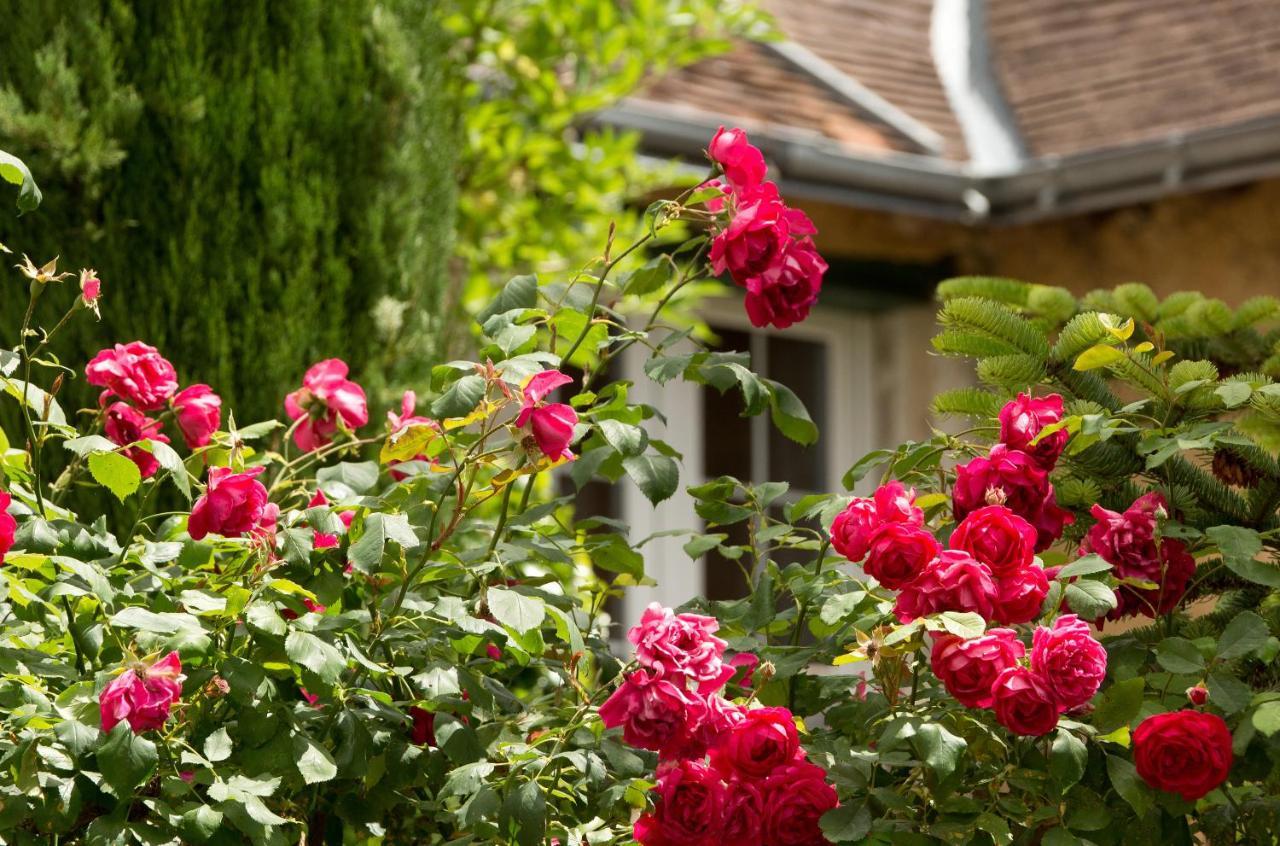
<point>1119,705</point>
<point>15,172</point>
<point>1234,393</point>
<point>519,292</point>
<point>1244,634</point>
<point>1085,566</point>
<point>116,473</point>
<point>125,759</point>
<point>525,814</point>
<point>790,415</point>
<point>653,275</point>
<point>76,736</point>
<point>656,475</point>
<point>626,439</point>
<point>1090,599</point>
<point>315,764</point>
<point>848,823</point>
<point>1059,836</point>
<point>171,462</point>
<point>460,398</point>
<point>865,465</point>
<point>1125,779</point>
<point>1067,759</point>
<point>1228,692</point>
<point>964,624</point>
<point>89,444</point>
<point>939,749</point>
<point>217,746</point>
<point>1267,718</point>
<point>1099,355</point>
<point>518,612</point>
<point>359,477</point>
<point>1178,655</point>
<point>313,653</point>
<point>1239,547</point>
<point>201,822</point>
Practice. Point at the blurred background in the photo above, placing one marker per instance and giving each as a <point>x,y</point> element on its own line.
<point>263,184</point>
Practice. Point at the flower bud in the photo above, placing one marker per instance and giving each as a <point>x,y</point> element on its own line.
<point>1198,695</point>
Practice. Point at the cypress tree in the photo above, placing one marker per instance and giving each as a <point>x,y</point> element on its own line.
<point>259,184</point>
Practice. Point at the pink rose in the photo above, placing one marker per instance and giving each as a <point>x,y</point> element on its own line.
<point>953,581</point>
<point>744,814</point>
<point>655,714</point>
<point>1129,542</point>
<point>142,695</point>
<point>232,505</point>
<point>134,372</point>
<point>322,540</point>
<point>1069,660</point>
<point>1021,421</point>
<point>743,164</point>
<point>782,295</point>
<point>998,538</point>
<point>969,668</point>
<point>892,503</point>
<point>1009,477</point>
<point>796,796</point>
<point>326,399</point>
<point>8,525</point>
<point>765,739</point>
<point>1024,704</point>
<point>673,644</point>
<point>689,810</point>
<point>90,290</point>
<point>1183,752</point>
<point>551,423</point>
<point>199,413</point>
<point>125,425</point>
<point>1020,596</point>
<point>899,552</point>
<point>402,421</point>
<point>423,732</point>
<point>311,605</point>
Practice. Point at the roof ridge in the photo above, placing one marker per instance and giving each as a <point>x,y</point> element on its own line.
<point>858,94</point>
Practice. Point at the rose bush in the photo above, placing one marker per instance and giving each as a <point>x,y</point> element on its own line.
<point>1058,623</point>
<point>365,635</point>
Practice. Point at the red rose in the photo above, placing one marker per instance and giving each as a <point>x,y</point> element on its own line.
<point>233,505</point>
<point>326,401</point>
<point>8,525</point>
<point>689,809</point>
<point>743,814</point>
<point>796,796</point>
<point>655,714</point>
<point>1129,542</point>
<point>1198,695</point>
<point>199,412</point>
<point>969,668</point>
<point>134,372</point>
<point>755,239</point>
<point>1070,661</point>
<point>423,732</point>
<point>1011,478</point>
<point>1183,752</point>
<point>742,162</point>
<point>782,295</point>
<point>899,552</point>
<point>953,581</point>
<point>1020,597</point>
<point>143,695</point>
<point>123,424</point>
<point>892,503</point>
<point>1024,703</point>
<point>765,739</point>
<point>998,538</point>
<point>1021,421</point>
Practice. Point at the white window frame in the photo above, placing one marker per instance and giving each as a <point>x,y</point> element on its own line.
<point>849,432</point>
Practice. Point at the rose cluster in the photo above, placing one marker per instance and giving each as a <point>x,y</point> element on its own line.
<point>136,379</point>
<point>727,773</point>
<point>1014,473</point>
<point>1130,542</point>
<point>765,246</point>
<point>989,570</point>
<point>1066,669</point>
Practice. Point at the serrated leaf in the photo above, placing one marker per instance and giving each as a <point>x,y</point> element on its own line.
<point>314,762</point>
<point>1119,705</point>
<point>116,473</point>
<point>1245,633</point>
<point>518,612</point>
<point>1178,655</point>
<point>1126,781</point>
<point>1239,547</point>
<point>125,759</point>
<point>939,749</point>
<point>656,475</point>
<point>626,439</point>
<point>1067,759</point>
<point>313,653</point>
<point>789,414</point>
<point>1267,718</point>
<point>1090,599</point>
<point>217,746</point>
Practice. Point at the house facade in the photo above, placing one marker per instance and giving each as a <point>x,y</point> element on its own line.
<point>1081,144</point>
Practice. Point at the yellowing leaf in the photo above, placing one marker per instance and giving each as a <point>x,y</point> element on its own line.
<point>930,500</point>
<point>408,443</point>
<point>1145,346</point>
<point>1119,331</point>
<point>1099,355</point>
<point>1120,737</point>
<point>1162,357</point>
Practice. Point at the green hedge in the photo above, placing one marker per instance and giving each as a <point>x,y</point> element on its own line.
<point>250,179</point>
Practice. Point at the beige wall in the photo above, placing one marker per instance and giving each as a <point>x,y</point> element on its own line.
<point>1224,242</point>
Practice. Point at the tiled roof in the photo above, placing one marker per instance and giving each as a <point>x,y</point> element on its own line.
<point>1076,75</point>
